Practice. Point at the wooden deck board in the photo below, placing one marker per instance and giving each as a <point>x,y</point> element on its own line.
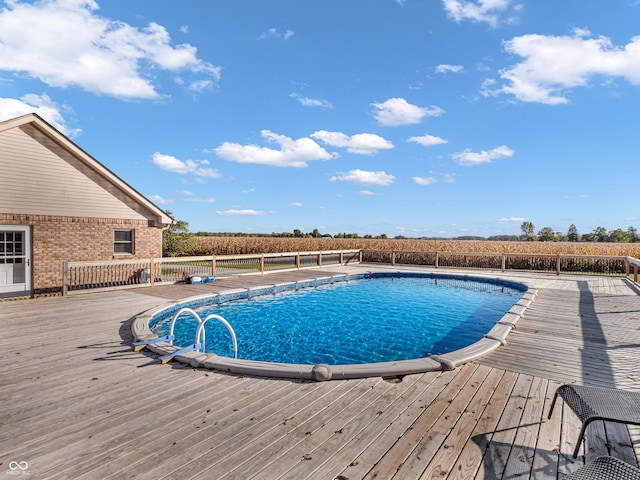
<point>75,402</point>
<point>385,442</point>
<point>520,460</point>
<point>460,433</point>
<point>469,462</point>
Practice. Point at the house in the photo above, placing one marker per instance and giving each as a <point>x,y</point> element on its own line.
<point>57,203</point>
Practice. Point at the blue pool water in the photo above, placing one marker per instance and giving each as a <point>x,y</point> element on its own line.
<point>353,322</point>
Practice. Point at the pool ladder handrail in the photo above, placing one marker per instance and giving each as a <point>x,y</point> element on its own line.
<point>225,323</point>
<point>200,339</point>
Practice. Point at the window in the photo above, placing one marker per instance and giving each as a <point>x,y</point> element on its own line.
<point>123,242</point>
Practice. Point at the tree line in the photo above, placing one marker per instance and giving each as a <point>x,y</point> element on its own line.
<point>599,234</point>
<point>545,234</point>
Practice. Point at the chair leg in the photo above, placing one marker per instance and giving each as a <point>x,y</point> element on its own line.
<point>580,438</point>
<point>582,429</point>
<point>553,403</point>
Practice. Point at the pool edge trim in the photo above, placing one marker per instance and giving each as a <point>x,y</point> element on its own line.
<point>495,338</point>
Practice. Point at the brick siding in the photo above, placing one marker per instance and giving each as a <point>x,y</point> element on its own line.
<point>75,239</point>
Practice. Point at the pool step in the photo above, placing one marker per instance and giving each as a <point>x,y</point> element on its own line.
<point>138,346</point>
<point>189,348</point>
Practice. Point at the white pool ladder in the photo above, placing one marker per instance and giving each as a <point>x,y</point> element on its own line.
<point>200,340</point>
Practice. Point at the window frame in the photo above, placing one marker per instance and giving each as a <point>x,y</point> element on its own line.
<point>130,243</point>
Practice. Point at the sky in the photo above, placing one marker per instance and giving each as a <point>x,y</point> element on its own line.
<point>420,118</point>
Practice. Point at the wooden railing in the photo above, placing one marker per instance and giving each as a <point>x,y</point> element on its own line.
<point>84,276</point>
<point>110,275</point>
<point>634,263</point>
<point>586,264</point>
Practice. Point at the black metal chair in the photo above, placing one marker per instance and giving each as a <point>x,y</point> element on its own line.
<point>605,468</point>
<point>595,403</point>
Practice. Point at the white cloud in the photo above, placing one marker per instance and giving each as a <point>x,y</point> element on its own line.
<point>200,86</point>
<point>427,140</point>
<point>243,213</point>
<point>105,56</point>
<point>311,102</point>
<point>468,158</point>
<point>158,200</point>
<point>295,204</point>
<point>200,200</point>
<point>424,180</point>
<point>366,193</point>
<point>361,143</point>
<point>40,104</point>
<point>553,65</point>
<point>512,220</point>
<point>172,164</point>
<point>292,153</point>
<point>364,177</point>
<point>444,68</point>
<point>449,177</point>
<point>491,12</point>
<point>277,33</point>
<point>397,111</point>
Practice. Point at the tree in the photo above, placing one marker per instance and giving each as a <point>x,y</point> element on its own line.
<point>547,235</point>
<point>176,240</point>
<point>587,237</point>
<point>600,234</point>
<point>572,233</point>
<point>618,236</point>
<point>633,234</point>
<point>527,231</point>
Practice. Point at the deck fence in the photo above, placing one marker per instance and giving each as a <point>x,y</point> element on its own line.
<point>548,263</point>
<point>109,275</point>
<point>90,276</point>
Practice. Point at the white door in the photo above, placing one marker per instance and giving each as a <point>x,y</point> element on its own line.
<point>15,261</point>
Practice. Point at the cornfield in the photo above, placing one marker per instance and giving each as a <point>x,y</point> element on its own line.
<point>253,245</point>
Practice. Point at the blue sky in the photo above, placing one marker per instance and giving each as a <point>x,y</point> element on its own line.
<point>404,117</point>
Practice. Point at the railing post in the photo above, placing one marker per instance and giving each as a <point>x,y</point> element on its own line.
<point>262,263</point>
<point>558,265</point>
<point>504,262</point>
<point>341,257</point>
<point>320,258</point>
<point>635,272</point>
<point>437,259</point>
<point>626,266</point>
<point>393,257</point>
<point>360,256</point>
<point>298,260</point>
<point>152,271</point>
<point>213,265</point>
<point>65,267</point>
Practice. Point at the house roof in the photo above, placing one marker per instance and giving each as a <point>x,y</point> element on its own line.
<point>34,120</point>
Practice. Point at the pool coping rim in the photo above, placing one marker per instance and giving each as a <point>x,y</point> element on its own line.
<point>496,337</point>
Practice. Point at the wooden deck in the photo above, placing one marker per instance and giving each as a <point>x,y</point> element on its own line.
<point>77,403</point>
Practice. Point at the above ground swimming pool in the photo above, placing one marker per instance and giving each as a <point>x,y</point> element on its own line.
<point>350,323</point>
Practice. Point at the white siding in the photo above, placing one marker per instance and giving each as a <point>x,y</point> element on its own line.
<point>38,177</point>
